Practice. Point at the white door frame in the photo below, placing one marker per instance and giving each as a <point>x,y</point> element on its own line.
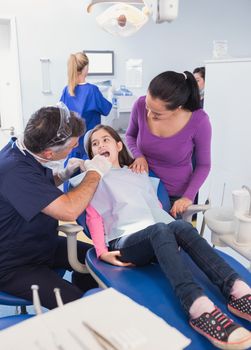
<point>17,100</point>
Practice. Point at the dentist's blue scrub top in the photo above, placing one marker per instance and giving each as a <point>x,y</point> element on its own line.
<point>27,236</point>
<point>90,104</point>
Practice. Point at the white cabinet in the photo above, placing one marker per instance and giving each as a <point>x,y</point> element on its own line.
<point>120,114</point>
<point>228,104</point>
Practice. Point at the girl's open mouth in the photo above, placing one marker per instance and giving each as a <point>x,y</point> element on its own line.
<point>105,154</point>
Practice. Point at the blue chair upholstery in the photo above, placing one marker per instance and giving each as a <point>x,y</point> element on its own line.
<point>9,321</point>
<point>92,291</point>
<point>162,193</point>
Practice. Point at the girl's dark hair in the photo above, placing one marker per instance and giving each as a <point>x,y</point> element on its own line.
<point>43,125</point>
<point>124,155</point>
<point>201,71</point>
<point>176,89</point>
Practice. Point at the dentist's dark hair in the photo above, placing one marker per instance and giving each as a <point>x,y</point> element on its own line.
<point>124,156</point>
<point>177,90</point>
<point>43,125</point>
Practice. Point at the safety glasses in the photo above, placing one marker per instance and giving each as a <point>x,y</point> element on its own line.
<point>64,131</point>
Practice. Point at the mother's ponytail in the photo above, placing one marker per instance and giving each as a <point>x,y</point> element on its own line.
<point>193,101</point>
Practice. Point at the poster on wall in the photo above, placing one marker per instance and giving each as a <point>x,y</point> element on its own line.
<point>134,73</point>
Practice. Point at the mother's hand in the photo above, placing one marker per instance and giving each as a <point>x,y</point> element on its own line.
<point>180,206</point>
<point>139,165</point>
<point>112,258</point>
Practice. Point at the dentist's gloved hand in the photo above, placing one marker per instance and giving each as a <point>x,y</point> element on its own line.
<point>72,166</point>
<point>99,164</point>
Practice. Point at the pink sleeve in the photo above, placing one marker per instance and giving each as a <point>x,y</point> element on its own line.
<point>95,224</point>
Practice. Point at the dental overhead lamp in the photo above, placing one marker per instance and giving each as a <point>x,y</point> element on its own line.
<point>125,18</point>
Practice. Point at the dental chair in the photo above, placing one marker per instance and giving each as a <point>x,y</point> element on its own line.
<point>147,285</point>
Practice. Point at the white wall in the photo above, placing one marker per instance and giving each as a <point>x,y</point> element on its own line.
<point>55,28</point>
<point>231,125</point>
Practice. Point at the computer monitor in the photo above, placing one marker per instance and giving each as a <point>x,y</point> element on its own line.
<point>100,62</point>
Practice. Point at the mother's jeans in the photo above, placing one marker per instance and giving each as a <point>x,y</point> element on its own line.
<point>162,241</point>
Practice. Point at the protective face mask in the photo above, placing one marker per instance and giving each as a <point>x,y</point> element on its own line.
<point>201,93</point>
<point>55,165</point>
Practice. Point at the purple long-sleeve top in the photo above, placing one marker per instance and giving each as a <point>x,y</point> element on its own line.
<point>170,158</point>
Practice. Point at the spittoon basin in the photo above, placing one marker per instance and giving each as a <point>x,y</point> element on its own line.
<point>220,220</point>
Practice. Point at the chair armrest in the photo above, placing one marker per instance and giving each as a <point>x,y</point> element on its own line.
<point>71,231</point>
<point>193,209</point>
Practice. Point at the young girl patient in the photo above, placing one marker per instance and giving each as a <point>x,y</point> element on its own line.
<point>129,227</point>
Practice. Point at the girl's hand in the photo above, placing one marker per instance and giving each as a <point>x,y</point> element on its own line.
<point>139,165</point>
<point>112,258</point>
<point>180,206</point>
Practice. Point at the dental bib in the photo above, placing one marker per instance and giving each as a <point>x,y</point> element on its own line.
<point>122,197</point>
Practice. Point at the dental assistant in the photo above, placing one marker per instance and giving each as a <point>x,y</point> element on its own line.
<point>167,128</point>
<point>84,98</point>
<point>31,205</point>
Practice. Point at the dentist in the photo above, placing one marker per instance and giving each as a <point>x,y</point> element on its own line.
<point>31,205</point>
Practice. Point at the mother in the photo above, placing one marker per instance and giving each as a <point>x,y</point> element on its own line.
<point>170,134</point>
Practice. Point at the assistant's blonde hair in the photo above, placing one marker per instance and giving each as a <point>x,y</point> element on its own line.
<point>76,63</point>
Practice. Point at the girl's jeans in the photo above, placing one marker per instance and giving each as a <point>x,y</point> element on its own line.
<point>162,241</point>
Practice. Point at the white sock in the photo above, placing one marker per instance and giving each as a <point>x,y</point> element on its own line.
<point>240,289</point>
<point>201,305</point>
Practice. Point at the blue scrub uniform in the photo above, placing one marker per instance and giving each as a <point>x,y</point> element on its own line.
<point>90,104</point>
<point>29,245</point>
